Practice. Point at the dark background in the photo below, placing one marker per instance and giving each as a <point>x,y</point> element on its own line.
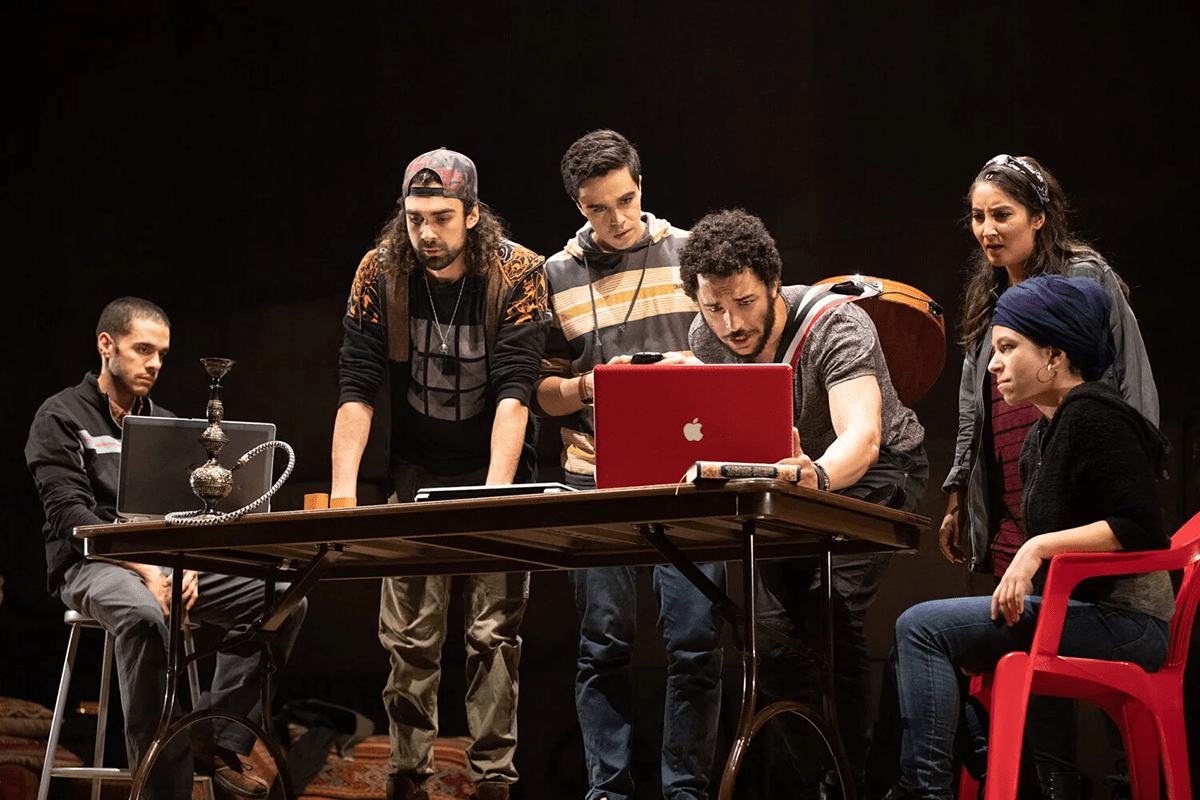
<point>232,162</point>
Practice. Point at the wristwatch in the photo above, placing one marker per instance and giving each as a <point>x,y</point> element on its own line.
<point>584,397</point>
<point>822,477</point>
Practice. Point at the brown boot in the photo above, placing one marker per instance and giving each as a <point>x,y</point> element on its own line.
<point>490,790</point>
<point>403,786</point>
<point>232,772</point>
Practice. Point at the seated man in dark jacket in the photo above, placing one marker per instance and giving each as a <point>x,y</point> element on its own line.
<point>74,452</point>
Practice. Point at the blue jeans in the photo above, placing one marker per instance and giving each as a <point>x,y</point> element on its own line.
<point>607,602</point>
<point>606,599</point>
<point>934,640</point>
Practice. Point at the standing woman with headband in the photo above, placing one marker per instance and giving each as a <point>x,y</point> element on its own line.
<point>1051,341</point>
<point>1018,216</point>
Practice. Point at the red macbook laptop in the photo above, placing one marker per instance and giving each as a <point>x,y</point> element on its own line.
<point>653,421</point>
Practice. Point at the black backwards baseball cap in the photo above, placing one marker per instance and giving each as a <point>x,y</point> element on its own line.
<point>456,172</point>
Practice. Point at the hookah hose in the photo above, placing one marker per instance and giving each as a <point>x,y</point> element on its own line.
<point>200,518</point>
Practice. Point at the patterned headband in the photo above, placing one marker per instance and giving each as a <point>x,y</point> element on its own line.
<point>1028,170</point>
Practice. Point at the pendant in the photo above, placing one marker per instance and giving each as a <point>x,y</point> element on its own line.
<point>443,348</point>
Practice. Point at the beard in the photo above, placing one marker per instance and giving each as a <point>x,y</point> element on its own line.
<point>439,262</point>
<point>128,381</point>
<point>768,325</point>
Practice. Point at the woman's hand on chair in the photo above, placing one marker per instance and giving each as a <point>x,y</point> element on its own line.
<point>1017,582</point>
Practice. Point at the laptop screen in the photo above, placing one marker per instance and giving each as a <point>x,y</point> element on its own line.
<point>158,453</point>
<point>654,421</point>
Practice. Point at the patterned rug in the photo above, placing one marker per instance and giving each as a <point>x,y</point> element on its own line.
<point>24,726</point>
<point>364,777</point>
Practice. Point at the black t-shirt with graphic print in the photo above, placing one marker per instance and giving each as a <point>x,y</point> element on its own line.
<point>442,415</point>
<point>443,404</point>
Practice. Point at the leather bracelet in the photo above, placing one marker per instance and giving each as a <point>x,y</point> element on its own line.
<point>584,397</point>
<point>822,477</point>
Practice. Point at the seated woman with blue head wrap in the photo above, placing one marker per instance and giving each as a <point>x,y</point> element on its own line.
<point>1089,468</point>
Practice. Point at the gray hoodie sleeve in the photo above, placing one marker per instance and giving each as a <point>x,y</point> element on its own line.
<point>1130,373</point>
<point>968,389</point>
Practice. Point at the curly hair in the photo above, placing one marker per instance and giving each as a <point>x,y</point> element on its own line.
<point>397,257</point>
<point>725,242</point>
<point>595,154</point>
<point>117,317</point>
<point>1054,245</point>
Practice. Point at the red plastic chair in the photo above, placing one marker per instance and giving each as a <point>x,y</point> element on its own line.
<point>1147,706</point>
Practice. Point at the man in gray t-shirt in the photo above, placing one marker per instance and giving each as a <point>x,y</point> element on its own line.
<point>855,438</point>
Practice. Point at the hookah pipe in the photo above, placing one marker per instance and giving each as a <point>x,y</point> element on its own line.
<point>211,481</point>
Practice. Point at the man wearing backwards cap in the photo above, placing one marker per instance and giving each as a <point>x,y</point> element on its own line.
<point>450,314</point>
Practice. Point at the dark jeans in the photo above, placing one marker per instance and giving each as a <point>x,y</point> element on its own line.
<point>789,600</point>
<point>119,600</point>
<point>790,604</point>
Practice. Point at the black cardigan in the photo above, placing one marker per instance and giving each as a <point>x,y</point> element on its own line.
<point>1097,459</point>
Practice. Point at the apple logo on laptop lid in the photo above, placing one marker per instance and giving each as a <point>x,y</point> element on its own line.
<point>692,432</point>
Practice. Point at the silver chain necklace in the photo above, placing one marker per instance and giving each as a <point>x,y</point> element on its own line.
<point>437,324</point>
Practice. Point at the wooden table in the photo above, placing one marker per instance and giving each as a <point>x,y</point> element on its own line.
<point>738,520</point>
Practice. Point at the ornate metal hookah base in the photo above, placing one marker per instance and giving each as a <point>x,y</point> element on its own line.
<point>212,482</point>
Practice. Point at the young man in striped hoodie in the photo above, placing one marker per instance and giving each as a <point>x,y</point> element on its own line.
<point>615,291</point>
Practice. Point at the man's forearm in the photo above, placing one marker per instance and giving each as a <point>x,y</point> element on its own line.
<point>560,396</point>
<point>849,458</point>
<point>350,431</point>
<point>855,410</point>
<point>508,438</point>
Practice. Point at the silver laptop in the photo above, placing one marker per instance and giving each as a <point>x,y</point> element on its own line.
<point>158,454</point>
<point>481,491</point>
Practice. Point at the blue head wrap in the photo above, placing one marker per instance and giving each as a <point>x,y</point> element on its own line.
<point>1068,313</point>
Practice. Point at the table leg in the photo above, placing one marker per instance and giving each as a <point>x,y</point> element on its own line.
<point>747,724</point>
<point>305,579</point>
<point>750,721</point>
<point>834,743</point>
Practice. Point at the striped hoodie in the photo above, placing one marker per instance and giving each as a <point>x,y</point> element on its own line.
<point>611,304</point>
